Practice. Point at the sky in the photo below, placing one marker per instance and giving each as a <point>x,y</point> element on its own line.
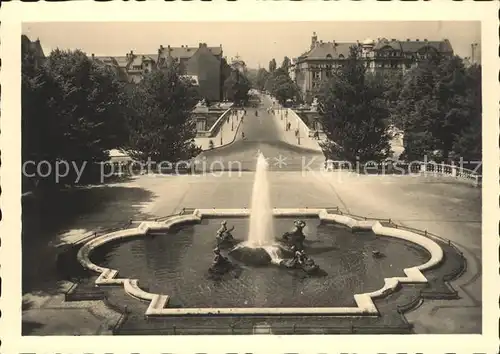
<point>255,42</point>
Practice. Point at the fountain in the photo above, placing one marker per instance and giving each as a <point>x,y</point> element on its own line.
<point>260,247</point>
<point>261,232</point>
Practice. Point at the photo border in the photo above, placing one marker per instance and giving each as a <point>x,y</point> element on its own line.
<point>10,202</point>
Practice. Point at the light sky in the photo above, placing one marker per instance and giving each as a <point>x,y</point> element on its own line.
<point>255,42</point>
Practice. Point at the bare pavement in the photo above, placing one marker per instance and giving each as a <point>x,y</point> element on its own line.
<point>439,205</point>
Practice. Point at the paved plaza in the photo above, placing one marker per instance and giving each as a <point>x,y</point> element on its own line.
<point>440,205</point>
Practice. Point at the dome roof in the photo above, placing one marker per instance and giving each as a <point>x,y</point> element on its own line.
<point>368,41</point>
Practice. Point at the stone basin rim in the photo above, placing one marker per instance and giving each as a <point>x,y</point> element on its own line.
<point>158,302</point>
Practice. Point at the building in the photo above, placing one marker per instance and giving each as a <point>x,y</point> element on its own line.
<point>204,65</point>
<point>238,64</point>
<point>33,47</point>
<point>131,67</point>
<point>291,69</point>
<point>381,55</point>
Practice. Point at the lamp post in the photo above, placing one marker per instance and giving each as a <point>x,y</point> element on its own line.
<point>473,51</point>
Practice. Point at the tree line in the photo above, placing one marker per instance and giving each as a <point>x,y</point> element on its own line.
<point>75,109</point>
<point>277,81</point>
<point>436,104</point>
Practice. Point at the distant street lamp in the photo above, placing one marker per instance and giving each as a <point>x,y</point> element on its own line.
<point>473,52</point>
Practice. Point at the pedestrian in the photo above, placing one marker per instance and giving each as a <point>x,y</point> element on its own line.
<point>243,135</point>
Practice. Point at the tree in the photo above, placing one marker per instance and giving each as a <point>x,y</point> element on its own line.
<point>468,141</point>
<point>433,107</point>
<point>272,65</point>
<point>392,82</point>
<point>226,71</point>
<point>285,65</point>
<point>281,86</point>
<point>160,118</point>
<point>72,111</point>
<point>236,87</point>
<point>352,112</point>
<point>261,79</point>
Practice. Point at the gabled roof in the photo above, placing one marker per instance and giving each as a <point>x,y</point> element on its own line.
<point>187,52</point>
<point>106,60</point>
<point>136,61</point>
<point>34,46</point>
<point>443,46</point>
<point>122,61</point>
<point>329,49</point>
<point>392,44</point>
<point>152,57</point>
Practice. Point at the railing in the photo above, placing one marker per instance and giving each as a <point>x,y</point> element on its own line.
<point>301,125</point>
<point>215,127</point>
<point>403,168</point>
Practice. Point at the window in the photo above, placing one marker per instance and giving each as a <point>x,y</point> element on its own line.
<point>316,75</point>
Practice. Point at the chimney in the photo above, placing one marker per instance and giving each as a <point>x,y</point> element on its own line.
<point>92,56</point>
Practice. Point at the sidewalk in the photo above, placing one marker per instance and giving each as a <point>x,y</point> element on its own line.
<point>225,135</point>
<point>301,139</point>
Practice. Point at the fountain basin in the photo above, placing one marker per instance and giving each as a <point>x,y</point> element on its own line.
<point>177,262</point>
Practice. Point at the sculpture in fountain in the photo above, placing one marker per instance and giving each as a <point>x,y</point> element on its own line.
<point>295,239</point>
<point>301,261</point>
<point>220,264</point>
<point>261,247</point>
<point>224,235</point>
